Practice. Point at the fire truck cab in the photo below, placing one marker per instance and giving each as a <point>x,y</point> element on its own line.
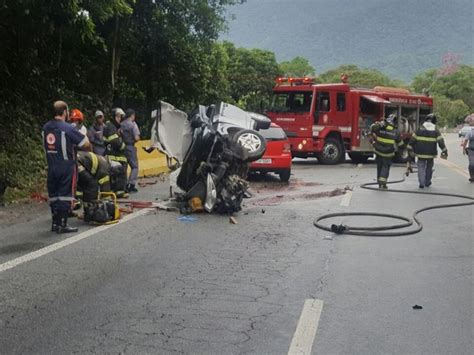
<point>328,120</point>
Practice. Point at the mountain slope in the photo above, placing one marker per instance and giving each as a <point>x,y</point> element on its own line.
<point>399,37</point>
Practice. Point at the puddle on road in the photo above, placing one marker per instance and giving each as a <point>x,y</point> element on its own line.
<point>22,247</point>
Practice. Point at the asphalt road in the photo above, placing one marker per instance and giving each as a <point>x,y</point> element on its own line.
<point>159,284</point>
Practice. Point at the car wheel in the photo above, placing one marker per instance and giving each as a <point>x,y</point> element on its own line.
<point>285,175</point>
<point>332,152</point>
<point>252,141</point>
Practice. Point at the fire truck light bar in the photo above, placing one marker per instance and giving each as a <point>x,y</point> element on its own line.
<point>292,81</point>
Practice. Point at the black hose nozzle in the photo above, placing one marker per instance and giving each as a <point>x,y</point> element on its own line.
<point>338,229</point>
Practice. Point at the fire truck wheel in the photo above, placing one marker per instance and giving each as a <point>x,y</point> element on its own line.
<point>252,141</point>
<point>332,152</point>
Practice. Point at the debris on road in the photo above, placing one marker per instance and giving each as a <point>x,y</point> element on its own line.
<point>328,237</point>
<point>187,219</point>
<point>232,220</point>
<point>147,183</point>
<point>417,307</point>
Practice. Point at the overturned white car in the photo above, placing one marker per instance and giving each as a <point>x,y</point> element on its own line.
<point>212,146</point>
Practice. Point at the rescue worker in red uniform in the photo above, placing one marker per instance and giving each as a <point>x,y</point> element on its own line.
<point>115,150</point>
<point>423,144</point>
<point>60,140</point>
<point>386,141</point>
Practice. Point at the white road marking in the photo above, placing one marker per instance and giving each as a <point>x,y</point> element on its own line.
<point>303,339</point>
<point>64,243</point>
<point>346,200</point>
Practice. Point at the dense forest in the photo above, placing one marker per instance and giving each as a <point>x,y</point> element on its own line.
<point>97,54</point>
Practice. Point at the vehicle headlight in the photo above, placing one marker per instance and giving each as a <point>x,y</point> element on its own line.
<point>300,146</point>
<point>304,141</point>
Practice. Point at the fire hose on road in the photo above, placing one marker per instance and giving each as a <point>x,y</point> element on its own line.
<point>394,230</point>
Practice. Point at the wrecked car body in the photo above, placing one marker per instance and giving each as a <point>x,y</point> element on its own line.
<point>212,146</point>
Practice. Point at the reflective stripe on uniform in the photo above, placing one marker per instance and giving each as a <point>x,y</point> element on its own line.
<point>112,137</point>
<point>104,180</point>
<point>117,158</point>
<point>61,198</point>
<point>63,145</point>
<point>425,156</point>
<point>382,179</point>
<point>385,155</point>
<point>425,139</point>
<point>95,163</point>
<point>385,140</point>
<point>440,138</point>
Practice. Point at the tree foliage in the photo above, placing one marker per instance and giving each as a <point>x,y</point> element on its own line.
<point>297,67</point>
<point>450,112</point>
<point>358,77</point>
<point>456,85</point>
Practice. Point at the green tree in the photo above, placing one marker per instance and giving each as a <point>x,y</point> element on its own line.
<point>450,112</point>
<point>297,67</point>
<point>457,85</point>
<point>252,74</point>
<point>358,77</point>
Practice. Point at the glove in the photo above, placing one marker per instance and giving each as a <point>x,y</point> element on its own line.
<point>444,155</point>
<point>412,154</point>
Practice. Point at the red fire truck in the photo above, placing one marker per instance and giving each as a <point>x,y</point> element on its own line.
<point>328,120</point>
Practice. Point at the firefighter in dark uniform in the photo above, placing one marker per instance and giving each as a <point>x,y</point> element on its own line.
<point>424,145</point>
<point>115,150</point>
<point>386,141</point>
<point>93,172</point>
<point>60,140</point>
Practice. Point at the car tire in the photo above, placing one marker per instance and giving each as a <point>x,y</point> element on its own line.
<point>252,141</point>
<point>359,158</point>
<point>285,175</point>
<point>332,153</point>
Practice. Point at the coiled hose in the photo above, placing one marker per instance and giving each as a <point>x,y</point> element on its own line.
<point>381,231</point>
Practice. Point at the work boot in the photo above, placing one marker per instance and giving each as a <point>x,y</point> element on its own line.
<point>421,186</point>
<point>63,227</point>
<point>428,184</point>
<point>471,179</point>
<point>54,223</point>
<point>131,188</point>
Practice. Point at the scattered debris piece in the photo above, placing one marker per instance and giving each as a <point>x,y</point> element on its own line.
<point>232,220</point>
<point>417,307</point>
<point>146,183</point>
<point>187,219</point>
<point>280,196</point>
<point>328,237</point>
<point>263,210</point>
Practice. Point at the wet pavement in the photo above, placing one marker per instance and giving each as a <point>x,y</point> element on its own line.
<point>160,283</point>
